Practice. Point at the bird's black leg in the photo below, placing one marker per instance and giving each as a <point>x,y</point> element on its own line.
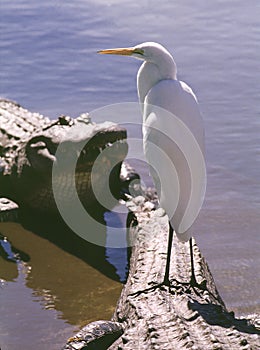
<point>193,281</point>
<point>166,280</point>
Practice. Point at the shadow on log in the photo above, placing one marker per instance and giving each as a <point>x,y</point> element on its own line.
<point>179,317</point>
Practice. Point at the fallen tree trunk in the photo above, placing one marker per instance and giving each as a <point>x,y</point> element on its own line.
<point>179,317</point>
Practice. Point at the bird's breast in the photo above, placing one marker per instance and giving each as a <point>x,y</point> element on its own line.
<point>177,99</point>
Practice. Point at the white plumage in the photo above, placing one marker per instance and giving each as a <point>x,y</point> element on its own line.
<point>173,135</point>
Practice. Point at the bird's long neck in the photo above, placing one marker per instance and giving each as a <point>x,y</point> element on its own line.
<point>151,73</point>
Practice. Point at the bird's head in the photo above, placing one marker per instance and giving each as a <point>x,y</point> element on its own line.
<point>158,64</point>
<point>148,51</point>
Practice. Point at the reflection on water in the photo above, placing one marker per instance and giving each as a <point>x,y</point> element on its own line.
<point>74,285</point>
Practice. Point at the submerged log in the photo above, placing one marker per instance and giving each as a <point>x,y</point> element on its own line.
<point>179,317</point>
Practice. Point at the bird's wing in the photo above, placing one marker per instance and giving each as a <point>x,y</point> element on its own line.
<point>173,145</point>
<point>178,98</point>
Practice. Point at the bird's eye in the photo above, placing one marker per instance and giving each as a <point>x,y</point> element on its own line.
<point>139,51</point>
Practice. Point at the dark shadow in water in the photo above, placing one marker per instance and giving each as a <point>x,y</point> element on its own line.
<point>58,279</point>
<point>214,315</point>
<point>56,231</point>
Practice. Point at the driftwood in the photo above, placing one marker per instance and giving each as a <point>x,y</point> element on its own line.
<point>179,317</point>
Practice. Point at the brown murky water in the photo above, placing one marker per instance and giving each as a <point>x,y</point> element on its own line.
<point>44,300</point>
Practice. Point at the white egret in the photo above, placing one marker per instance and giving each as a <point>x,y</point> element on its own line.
<point>173,140</point>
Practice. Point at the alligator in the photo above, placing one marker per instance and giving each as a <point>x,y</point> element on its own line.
<point>28,151</point>
<point>180,317</point>
<point>146,316</point>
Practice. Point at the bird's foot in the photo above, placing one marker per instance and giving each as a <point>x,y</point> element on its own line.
<point>194,284</point>
<point>147,290</point>
<point>173,286</point>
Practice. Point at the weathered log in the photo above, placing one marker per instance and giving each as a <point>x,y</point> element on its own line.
<point>179,317</point>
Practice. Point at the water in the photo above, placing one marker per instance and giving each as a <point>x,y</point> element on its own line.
<point>49,65</point>
<point>54,289</point>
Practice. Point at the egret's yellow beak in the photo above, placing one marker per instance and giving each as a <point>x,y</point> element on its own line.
<point>121,51</point>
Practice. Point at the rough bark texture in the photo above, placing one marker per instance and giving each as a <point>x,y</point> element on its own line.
<point>179,317</point>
